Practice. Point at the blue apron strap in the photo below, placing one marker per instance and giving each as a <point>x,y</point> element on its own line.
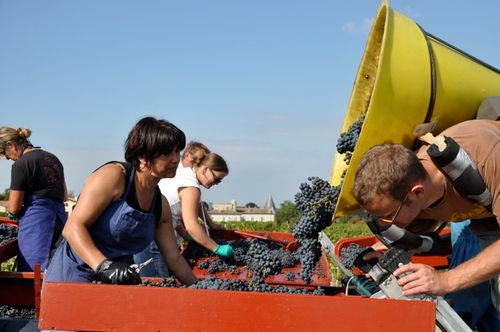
<point>129,187</point>
<point>129,184</point>
<point>153,204</point>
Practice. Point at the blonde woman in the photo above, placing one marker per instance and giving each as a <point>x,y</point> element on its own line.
<point>37,195</point>
<point>183,193</point>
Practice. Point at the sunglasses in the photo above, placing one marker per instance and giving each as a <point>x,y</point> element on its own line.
<point>391,220</point>
<point>216,179</point>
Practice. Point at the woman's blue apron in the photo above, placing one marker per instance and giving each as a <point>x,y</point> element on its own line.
<point>120,232</point>
<point>40,224</point>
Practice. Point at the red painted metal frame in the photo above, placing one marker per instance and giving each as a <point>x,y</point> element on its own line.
<point>437,261</point>
<point>20,288</point>
<point>94,307</point>
<point>37,289</point>
<point>321,275</point>
<point>6,220</point>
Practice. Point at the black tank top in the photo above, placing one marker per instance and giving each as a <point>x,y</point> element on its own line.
<point>131,198</point>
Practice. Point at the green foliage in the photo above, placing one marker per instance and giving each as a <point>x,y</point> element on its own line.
<point>8,266</point>
<point>287,213</point>
<point>5,195</point>
<point>343,220</point>
<point>335,231</point>
<point>338,231</point>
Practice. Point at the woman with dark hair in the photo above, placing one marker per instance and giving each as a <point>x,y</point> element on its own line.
<point>36,199</point>
<point>121,210</point>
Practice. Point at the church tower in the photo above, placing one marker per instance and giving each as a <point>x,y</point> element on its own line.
<point>269,204</point>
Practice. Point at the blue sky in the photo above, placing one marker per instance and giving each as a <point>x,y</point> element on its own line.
<point>263,83</point>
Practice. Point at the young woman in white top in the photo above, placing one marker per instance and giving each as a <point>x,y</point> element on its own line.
<point>184,196</point>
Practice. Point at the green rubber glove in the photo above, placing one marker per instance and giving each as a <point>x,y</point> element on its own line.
<point>224,250</point>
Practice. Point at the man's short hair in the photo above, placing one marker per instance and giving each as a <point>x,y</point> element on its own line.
<point>387,169</point>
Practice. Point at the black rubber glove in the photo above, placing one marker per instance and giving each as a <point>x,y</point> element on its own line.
<point>117,273</point>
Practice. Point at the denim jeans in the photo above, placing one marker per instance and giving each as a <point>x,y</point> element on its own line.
<point>157,268</point>
<point>473,304</point>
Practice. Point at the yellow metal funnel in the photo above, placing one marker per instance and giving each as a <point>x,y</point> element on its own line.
<point>407,77</point>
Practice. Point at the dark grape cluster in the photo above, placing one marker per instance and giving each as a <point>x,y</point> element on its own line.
<point>250,286</point>
<point>347,157</point>
<point>204,264</point>
<point>315,202</point>
<point>221,284</point>
<point>7,232</point>
<point>348,254</point>
<point>240,248</point>
<point>263,258</point>
<point>214,283</point>
<point>287,258</point>
<point>8,311</point>
<point>165,282</point>
<point>310,253</point>
<point>217,265</point>
<point>348,139</point>
<point>316,199</point>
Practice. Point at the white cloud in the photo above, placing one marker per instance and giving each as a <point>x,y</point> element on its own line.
<point>412,13</point>
<point>355,27</point>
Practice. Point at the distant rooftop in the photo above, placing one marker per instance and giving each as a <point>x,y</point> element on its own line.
<point>251,212</point>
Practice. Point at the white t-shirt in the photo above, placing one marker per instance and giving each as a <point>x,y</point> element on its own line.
<point>184,177</point>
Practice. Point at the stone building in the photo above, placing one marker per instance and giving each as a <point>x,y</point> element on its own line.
<point>234,213</point>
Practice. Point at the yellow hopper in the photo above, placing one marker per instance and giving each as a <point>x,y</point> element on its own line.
<point>406,77</point>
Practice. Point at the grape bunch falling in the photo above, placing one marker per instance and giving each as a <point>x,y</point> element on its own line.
<point>315,202</point>
<point>348,139</point>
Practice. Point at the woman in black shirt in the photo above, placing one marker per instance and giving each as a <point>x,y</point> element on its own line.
<point>37,195</point>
